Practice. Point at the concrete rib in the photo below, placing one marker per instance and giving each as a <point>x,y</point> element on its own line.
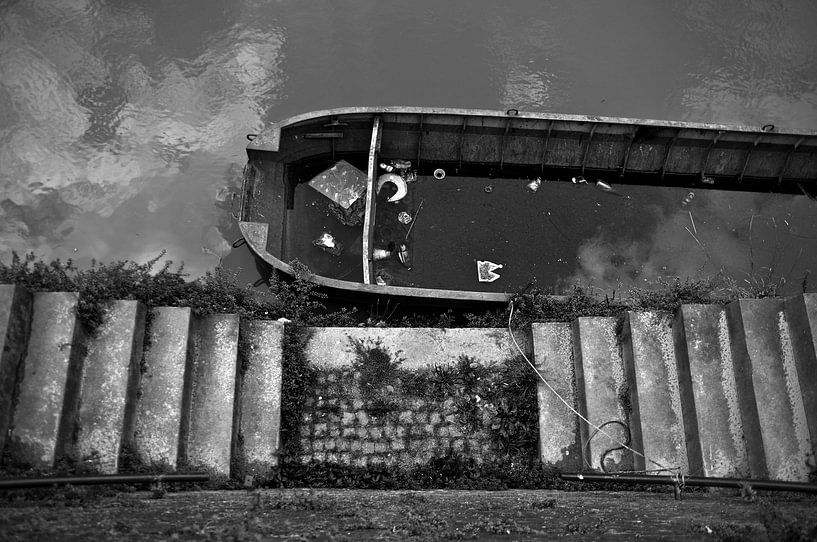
<point>559,443</point>
<point>112,364</point>
<point>716,444</point>
<point>207,439</point>
<point>159,411</point>
<point>15,326</point>
<point>43,422</point>
<point>801,313</point>
<point>603,394</point>
<point>258,414</point>
<point>769,390</point>
<point>657,421</point>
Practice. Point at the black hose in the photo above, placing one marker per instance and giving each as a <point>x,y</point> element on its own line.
<point>770,485</point>
<point>21,483</point>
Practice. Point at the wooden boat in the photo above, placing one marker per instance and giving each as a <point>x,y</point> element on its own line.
<point>281,215</point>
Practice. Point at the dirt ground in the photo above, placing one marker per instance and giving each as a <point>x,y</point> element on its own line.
<point>303,514</point>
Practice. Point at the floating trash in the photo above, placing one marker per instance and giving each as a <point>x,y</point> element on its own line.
<point>488,189</point>
<point>578,180</point>
<point>398,181</point>
<point>604,187</point>
<point>381,254</point>
<point>404,217</point>
<point>380,281</point>
<point>485,271</point>
<point>534,185</point>
<point>401,164</point>
<point>387,167</point>
<point>327,243</point>
<point>439,174</point>
<point>410,176</point>
<point>708,180</point>
<point>688,199</point>
<point>404,255</point>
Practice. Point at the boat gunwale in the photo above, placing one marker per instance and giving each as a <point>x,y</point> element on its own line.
<point>269,138</point>
<point>249,231</point>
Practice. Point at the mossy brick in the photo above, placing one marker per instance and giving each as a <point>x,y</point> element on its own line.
<point>558,425</point>
<point>356,446</point>
<point>434,418</point>
<point>258,404</point>
<point>109,384</point>
<point>320,429</point>
<point>16,304</point>
<point>716,444</point>
<point>349,432</point>
<point>44,420</point>
<point>601,391</point>
<point>348,418</point>
<point>381,447</point>
<point>406,417</point>
<point>657,421</point>
<point>208,420</point>
<point>362,418</point>
<point>769,394</point>
<point>159,408</point>
<point>801,313</point>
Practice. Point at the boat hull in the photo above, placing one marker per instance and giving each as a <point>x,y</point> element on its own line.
<point>503,145</point>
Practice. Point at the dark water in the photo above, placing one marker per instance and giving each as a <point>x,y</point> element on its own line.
<point>122,123</point>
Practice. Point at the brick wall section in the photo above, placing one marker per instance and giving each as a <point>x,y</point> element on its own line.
<point>338,426</point>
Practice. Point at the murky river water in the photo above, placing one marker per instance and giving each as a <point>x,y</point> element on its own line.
<point>122,123</point>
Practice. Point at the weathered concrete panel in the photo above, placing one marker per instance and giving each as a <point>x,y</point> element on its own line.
<point>603,394</point>
<point>159,413</point>
<point>801,312</point>
<point>114,353</point>
<point>15,325</point>
<point>716,444</point>
<point>43,421</point>
<point>559,443</point>
<point>657,421</point>
<point>208,432</point>
<point>419,347</point>
<point>768,388</point>
<point>258,413</point>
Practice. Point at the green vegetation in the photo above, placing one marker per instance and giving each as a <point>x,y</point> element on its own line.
<point>217,292</point>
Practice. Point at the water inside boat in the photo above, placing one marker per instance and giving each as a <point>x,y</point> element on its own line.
<point>558,235</point>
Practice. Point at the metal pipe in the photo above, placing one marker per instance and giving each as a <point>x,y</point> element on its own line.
<point>646,479</point>
<point>19,483</point>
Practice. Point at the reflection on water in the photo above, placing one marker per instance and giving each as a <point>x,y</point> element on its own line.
<point>122,124</point>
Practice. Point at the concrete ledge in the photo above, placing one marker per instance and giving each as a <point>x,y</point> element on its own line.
<point>159,413</point>
<point>559,443</point>
<point>419,347</point>
<point>258,412</point>
<point>15,325</point>
<point>207,427</point>
<point>657,420</point>
<point>114,353</point>
<point>716,444</point>
<point>603,394</point>
<point>801,313</point>
<point>44,420</point>
<point>768,390</point>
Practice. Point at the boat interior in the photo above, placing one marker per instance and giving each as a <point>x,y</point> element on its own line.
<point>450,200</point>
